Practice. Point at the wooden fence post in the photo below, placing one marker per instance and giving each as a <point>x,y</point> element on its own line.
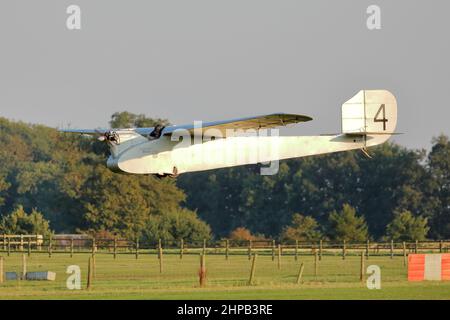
<point>392,249</point>
<point>440,246</point>
<point>249,249</point>
<point>227,248</point>
<point>38,244</point>
<point>279,256</point>
<point>160,255</point>
<point>202,272</point>
<point>273,250</point>
<point>316,265</point>
<point>343,249</point>
<point>320,249</point>
<point>9,246</point>
<point>416,245</point>
<point>4,242</point>
<point>252,271</point>
<point>361,275</point>
<point>159,247</point>
<point>1,270</point>
<point>24,267</point>
<point>71,247</point>
<point>29,246</point>
<point>367,249</point>
<point>300,273</point>
<point>93,246</point>
<point>94,268</point>
<point>137,248</point>
<point>21,243</point>
<point>404,254</point>
<point>89,275</point>
<point>181,248</point>
<point>50,246</point>
<point>296,250</point>
<point>115,247</point>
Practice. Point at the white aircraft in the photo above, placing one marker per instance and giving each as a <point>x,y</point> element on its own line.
<point>368,119</point>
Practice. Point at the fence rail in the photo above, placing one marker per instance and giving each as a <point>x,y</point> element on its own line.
<point>115,246</point>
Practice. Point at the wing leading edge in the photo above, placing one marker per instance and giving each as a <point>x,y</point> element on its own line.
<point>256,123</point>
<point>84,131</point>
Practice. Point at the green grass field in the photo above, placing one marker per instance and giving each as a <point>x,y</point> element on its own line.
<point>128,278</point>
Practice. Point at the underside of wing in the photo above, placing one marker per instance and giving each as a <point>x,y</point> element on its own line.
<point>249,123</point>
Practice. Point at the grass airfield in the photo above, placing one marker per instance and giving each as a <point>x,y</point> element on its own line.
<point>129,278</point>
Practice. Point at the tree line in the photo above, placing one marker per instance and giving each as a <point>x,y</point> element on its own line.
<point>399,194</point>
<point>53,182</point>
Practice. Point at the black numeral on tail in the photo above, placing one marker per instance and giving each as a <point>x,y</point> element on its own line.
<point>382,110</point>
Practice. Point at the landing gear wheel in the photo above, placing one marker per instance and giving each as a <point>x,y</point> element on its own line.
<point>174,173</point>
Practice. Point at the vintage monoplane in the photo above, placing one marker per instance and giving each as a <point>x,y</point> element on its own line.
<point>368,119</point>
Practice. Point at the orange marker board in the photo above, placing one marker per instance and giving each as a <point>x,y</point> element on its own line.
<point>428,267</point>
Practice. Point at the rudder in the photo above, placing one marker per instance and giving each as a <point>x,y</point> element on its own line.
<point>371,113</point>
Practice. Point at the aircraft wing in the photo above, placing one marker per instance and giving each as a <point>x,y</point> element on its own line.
<point>85,131</point>
<point>100,132</point>
<point>258,122</point>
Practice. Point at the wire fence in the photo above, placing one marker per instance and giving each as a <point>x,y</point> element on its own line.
<point>133,267</point>
<point>118,246</point>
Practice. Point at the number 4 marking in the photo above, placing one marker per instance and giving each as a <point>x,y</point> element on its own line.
<point>384,120</point>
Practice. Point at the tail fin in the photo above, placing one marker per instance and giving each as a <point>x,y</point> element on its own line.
<point>370,113</point>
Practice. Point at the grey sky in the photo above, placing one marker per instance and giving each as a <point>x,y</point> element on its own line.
<point>191,60</point>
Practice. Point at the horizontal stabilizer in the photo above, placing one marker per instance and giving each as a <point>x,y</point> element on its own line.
<point>359,134</point>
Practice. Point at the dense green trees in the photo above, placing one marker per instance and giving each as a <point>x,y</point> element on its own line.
<point>123,204</point>
<point>126,119</point>
<point>302,228</point>
<point>406,227</point>
<point>394,180</point>
<point>20,222</point>
<point>64,177</point>
<point>346,225</point>
<point>176,224</point>
<point>438,190</point>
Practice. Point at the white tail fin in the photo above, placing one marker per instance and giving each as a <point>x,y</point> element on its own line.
<point>372,113</point>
